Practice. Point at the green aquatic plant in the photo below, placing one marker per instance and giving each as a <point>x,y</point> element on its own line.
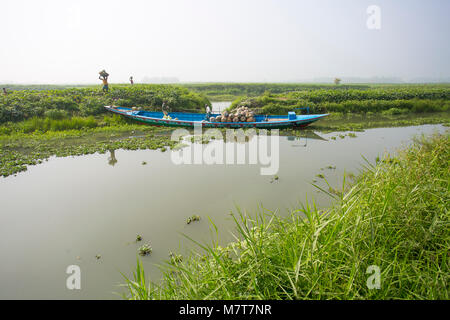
<point>138,238</point>
<point>274,178</point>
<point>193,218</point>
<point>145,249</point>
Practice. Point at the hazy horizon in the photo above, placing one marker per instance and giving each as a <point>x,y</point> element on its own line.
<point>55,42</point>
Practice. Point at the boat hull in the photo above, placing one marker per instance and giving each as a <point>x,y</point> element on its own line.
<point>192,119</point>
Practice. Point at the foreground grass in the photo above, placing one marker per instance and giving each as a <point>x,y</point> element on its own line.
<point>395,217</point>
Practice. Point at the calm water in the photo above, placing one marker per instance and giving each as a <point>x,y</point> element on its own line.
<point>67,210</point>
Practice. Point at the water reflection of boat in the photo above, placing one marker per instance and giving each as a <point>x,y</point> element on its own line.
<point>182,119</point>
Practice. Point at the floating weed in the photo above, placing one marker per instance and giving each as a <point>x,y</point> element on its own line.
<point>192,219</point>
<point>144,163</point>
<point>179,146</point>
<point>98,257</point>
<point>321,176</point>
<point>352,135</point>
<point>145,249</point>
<point>138,238</point>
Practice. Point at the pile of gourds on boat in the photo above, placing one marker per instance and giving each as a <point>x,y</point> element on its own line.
<point>241,114</point>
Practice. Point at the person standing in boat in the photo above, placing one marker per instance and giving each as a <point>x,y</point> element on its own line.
<point>104,78</point>
<point>165,109</point>
<point>131,80</point>
<point>208,112</point>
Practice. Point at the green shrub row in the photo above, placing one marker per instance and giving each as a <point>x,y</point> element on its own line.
<point>63,103</point>
<point>276,105</point>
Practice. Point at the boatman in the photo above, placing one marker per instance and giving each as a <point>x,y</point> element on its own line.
<point>131,80</point>
<point>165,108</point>
<point>104,79</point>
<point>208,112</point>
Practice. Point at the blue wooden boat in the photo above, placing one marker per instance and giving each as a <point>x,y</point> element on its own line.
<point>182,119</point>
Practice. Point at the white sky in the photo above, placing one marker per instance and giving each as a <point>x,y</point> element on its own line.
<point>48,41</point>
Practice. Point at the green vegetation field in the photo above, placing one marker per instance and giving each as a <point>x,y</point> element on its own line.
<point>390,101</point>
<point>20,105</point>
<point>231,91</point>
<point>395,217</point>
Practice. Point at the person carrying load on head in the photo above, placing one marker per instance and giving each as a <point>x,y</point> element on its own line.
<point>104,77</point>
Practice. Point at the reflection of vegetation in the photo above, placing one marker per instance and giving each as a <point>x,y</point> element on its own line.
<point>394,217</point>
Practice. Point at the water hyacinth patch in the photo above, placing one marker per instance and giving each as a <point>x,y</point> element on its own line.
<point>145,249</point>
